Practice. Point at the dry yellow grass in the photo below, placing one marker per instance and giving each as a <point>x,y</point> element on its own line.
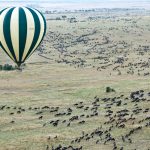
<point>45,82</point>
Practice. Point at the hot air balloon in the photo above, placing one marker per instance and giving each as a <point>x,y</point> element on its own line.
<point>21,31</point>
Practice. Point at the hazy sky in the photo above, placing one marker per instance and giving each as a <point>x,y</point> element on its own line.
<point>79,4</point>
<point>75,1</point>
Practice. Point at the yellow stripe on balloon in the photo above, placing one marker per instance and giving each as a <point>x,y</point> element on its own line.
<point>14,30</point>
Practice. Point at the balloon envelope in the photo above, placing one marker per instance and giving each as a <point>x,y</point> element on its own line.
<point>21,31</point>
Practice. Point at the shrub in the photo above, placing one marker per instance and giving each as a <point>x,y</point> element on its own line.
<point>109,89</point>
<point>58,18</point>
<point>1,67</point>
<point>7,67</point>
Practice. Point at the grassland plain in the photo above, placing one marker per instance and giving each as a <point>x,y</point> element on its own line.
<point>60,95</point>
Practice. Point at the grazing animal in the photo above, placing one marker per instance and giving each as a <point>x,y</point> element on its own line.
<point>40,117</point>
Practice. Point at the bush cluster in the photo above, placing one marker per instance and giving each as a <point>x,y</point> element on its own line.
<point>7,67</point>
<point>109,89</point>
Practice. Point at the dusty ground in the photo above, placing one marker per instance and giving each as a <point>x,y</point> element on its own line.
<point>60,96</point>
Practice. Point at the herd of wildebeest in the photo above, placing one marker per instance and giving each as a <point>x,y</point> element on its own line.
<point>110,42</point>
<point>119,114</point>
<point>106,41</point>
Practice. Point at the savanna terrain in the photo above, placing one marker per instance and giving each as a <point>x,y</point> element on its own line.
<point>86,87</point>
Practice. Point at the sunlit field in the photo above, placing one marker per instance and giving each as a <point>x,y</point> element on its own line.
<point>86,87</point>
